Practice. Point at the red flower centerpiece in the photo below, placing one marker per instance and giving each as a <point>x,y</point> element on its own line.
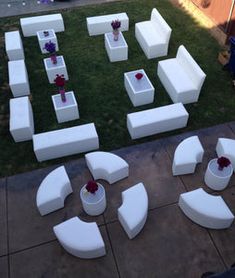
<point>91,187</point>
<point>60,83</point>
<point>116,24</point>
<point>223,162</point>
<point>139,75</point>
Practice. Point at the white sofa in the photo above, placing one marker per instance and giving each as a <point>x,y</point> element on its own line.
<point>187,154</point>
<point>53,190</point>
<point>206,210</point>
<point>153,35</point>
<point>81,239</point>
<point>67,141</point>
<point>132,214</point>
<point>157,120</point>
<point>107,166</point>
<point>98,25</point>
<point>21,119</point>
<point>14,46</point>
<point>226,147</point>
<point>181,77</point>
<point>30,25</point>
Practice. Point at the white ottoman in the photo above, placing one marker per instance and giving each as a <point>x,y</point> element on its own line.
<point>21,119</point>
<point>14,46</point>
<point>18,78</point>
<point>42,39</point>
<point>116,50</point>
<point>54,69</point>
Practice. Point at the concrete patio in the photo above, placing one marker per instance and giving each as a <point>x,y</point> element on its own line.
<point>170,245</point>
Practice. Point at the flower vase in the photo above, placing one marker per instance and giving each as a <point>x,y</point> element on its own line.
<point>62,94</point>
<point>115,34</point>
<point>53,59</point>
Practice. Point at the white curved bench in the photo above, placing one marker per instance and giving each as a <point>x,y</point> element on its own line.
<point>187,154</point>
<point>206,210</point>
<point>53,190</point>
<point>132,214</point>
<point>80,239</point>
<point>107,166</point>
<point>226,147</point>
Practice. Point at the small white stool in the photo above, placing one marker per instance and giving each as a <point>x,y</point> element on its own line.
<point>14,46</point>
<point>42,39</point>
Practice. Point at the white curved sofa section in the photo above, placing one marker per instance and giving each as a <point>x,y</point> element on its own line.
<point>187,154</point>
<point>107,166</point>
<point>79,238</point>
<point>53,190</point>
<point>226,147</point>
<point>133,212</point>
<point>206,210</point>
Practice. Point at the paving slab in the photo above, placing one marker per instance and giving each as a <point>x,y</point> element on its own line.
<point>4,267</point>
<point>170,245</point>
<point>148,163</point>
<point>23,215</point>
<point>3,218</point>
<point>52,261</point>
<point>208,138</point>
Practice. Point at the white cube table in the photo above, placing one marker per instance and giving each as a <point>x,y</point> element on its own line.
<point>116,50</point>
<point>42,39</point>
<point>65,111</point>
<point>14,46</point>
<point>18,78</point>
<point>53,69</point>
<point>140,91</point>
<point>21,119</point>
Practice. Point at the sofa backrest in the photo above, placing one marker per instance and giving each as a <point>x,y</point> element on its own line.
<point>160,24</point>
<point>193,70</point>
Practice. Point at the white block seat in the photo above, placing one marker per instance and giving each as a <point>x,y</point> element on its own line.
<point>53,190</point>
<point>132,214</point>
<point>157,120</point>
<point>206,210</point>
<point>153,35</point>
<point>31,25</point>
<point>98,25</point>
<point>14,46</point>
<point>64,142</point>
<point>226,147</point>
<point>18,78</point>
<point>79,238</point>
<point>107,166</point>
<point>181,77</point>
<point>187,154</point>
<point>21,119</point>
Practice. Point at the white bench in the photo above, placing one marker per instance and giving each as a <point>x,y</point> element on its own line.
<point>206,210</point>
<point>53,190</point>
<point>157,120</point>
<point>132,214</point>
<point>14,46</point>
<point>153,35</point>
<point>79,238</point>
<point>98,25</point>
<point>31,25</point>
<point>187,154</point>
<point>21,119</point>
<point>226,147</point>
<point>67,141</point>
<point>181,77</point>
<point>107,166</point>
<point>18,78</point>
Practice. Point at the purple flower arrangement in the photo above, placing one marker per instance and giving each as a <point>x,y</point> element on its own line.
<point>50,47</point>
<point>116,24</point>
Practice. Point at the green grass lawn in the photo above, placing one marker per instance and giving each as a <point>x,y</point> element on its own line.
<point>99,84</point>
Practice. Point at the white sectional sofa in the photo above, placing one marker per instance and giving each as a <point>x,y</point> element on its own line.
<point>98,25</point>
<point>153,35</point>
<point>157,120</point>
<point>67,141</point>
<point>14,46</point>
<point>181,77</point>
<point>31,25</point>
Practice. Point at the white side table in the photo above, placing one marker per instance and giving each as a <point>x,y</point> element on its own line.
<point>42,39</point>
<point>116,50</point>
<point>140,91</point>
<point>93,204</point>
<point>217,179</point>
<point>53,69</point>
<point>65,111</point>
